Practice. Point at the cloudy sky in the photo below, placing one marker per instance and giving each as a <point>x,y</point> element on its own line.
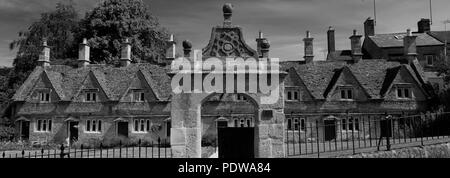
<point>283,22</point>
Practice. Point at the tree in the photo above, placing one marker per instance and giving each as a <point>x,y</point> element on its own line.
<point>58,27</point>
<point>114,20</point>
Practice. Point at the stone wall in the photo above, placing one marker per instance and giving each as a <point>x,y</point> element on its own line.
<point>431,151</point>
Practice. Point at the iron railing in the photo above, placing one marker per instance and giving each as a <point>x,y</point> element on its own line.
<point>158,149</point>
<point>351,133</point>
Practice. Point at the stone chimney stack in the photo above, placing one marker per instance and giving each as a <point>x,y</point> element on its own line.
<point>125,59</point>
<point>424,25</point>
<point>44,57</point>
<point>369,27</point>
<point>355,41</point>
<point>187,48</point>
<point>331,40</point>
<point>83,54</point>
<point>259,42</point>
<point>171,50</point>
<point>410,50</point>
<point>309,48</point>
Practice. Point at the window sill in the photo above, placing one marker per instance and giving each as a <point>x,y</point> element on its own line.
<point>345,131</point>
<point>89,132</point>
<point>43,131</point>
<point>140,132</point>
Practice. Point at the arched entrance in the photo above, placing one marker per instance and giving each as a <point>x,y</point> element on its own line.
<point>228,126</point>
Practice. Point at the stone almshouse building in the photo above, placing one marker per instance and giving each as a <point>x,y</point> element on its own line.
<point>134,100</point>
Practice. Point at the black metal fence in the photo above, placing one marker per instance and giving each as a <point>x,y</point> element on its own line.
<point>330,134</point>
<point>159,149</point>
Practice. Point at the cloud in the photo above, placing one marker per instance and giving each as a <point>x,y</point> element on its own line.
<point>283,21</point>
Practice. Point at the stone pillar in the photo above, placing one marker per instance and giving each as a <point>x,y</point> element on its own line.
<point>186,126</point>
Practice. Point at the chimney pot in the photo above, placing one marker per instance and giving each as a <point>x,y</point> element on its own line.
<point>309,48</point>
<point>410,48</point>
<point>355,42</point>
<point>125,59</point>
<point>44,57</point>
<point>170,50</point>
<point>331,40</point>
<point>369,27</point>
<point>83,54</point>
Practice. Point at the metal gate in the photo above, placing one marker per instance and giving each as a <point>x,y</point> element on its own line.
<point>236,142</point>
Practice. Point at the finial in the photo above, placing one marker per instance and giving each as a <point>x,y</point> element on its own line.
<point>171,37</point>
<point>227,13</point>
<point>84,41</point>
<point>261,35</point>
<point>330,28</point>
<point>408,32</point>
<point>354,31</point>
<point>308,34</point>
<point>187,44</point>
<point>126,41</point>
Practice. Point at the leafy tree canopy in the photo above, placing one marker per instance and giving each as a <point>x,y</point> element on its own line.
<point>112,21</point>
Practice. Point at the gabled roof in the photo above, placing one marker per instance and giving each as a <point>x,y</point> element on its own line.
<point>97,79</point>
<point>396,40</point>
<point>113,80</point>
<point>393,73</point>
<point>338,75</point>
<point>340,55</point>
<point>371,75</point>
<point>441,35</point>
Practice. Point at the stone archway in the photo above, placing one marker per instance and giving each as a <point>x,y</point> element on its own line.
<point>226,115</point>
<point>186,128</point>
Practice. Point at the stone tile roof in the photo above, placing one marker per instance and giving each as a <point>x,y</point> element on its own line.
<point>441,35</point>
<point>114,81</point>
<point>340,55</point>
<point>396,40</point>
<point>372,75</point>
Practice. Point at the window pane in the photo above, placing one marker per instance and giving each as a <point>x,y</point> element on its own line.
<point>344,124</point>
<point>235,123</point>
<point>289,124</point>
<point>49,125</point>
<point>295,95</point>
<point>136,125</point>
<point>88,125</point>
<point>242,123</point>
<point>406,93</point>
<point>142,126</point>
<point>350,124</point>
<point>94,96</point>
<point>356,124</point>
<point>302,124</point>
<point>399,93</point>
<point>296,124</point>
<point>148,125</point>
<point>350,94</point>
<point>343,96</point>
<point>94,126</point>
<point>289,97</point>
<point>99,125</point>
<point>248,123</point>
<point>142,97</point>
<point>39,122</point>
<point>47,97</point>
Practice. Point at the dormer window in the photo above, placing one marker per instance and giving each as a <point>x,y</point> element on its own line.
<point>346,93</point>
<point>44,97</point>
<point>430,60</point>
<point>91,95</point>
<point>138,96</point>
<point>404,93</point>
<point>293,95</point>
